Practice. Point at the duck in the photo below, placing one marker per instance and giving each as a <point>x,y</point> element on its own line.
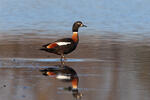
<point>65,74</point>
<point>66,45</point>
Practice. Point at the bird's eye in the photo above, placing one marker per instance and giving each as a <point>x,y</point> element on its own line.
<point>78,23</point>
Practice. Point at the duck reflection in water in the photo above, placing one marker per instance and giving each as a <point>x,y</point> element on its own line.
<point>66,74</point>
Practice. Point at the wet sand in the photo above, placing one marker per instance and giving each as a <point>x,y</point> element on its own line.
<point>109,67</point>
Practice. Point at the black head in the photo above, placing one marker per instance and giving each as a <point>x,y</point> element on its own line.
<point>76,26</point>
<point>77,94</point>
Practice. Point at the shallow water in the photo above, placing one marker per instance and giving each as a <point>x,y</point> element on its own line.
<point>109,68</point>
<point>22,16</point>
<point>111,60</point>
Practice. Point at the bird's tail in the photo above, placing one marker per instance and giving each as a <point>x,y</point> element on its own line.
<point>43,49</point>
<point>49,71</point>
<point>44,72</point>
<point>46,45</point>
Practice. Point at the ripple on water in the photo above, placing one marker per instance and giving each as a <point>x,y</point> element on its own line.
<point>51,59</point>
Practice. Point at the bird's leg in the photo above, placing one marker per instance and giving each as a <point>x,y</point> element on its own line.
<point>64,58</point>
<point>61,57</point>
<point>62,61</point>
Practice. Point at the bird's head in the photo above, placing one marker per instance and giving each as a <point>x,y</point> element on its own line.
<point>76,26</point>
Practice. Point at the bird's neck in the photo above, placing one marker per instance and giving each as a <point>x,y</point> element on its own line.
<point>75,37</point>
<point>75,83</point>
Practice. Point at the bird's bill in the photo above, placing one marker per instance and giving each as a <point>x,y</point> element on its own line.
<point>82,25</point>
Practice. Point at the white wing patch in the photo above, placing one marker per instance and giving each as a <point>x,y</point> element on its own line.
<point>62,77</point>
<point>63,43</point>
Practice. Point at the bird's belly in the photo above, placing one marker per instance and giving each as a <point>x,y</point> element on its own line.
<point>69,50</point>
<point>65,49</point>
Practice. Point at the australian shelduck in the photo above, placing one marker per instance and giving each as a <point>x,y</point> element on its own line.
<point>65,45</point>
<point>66,74</point>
